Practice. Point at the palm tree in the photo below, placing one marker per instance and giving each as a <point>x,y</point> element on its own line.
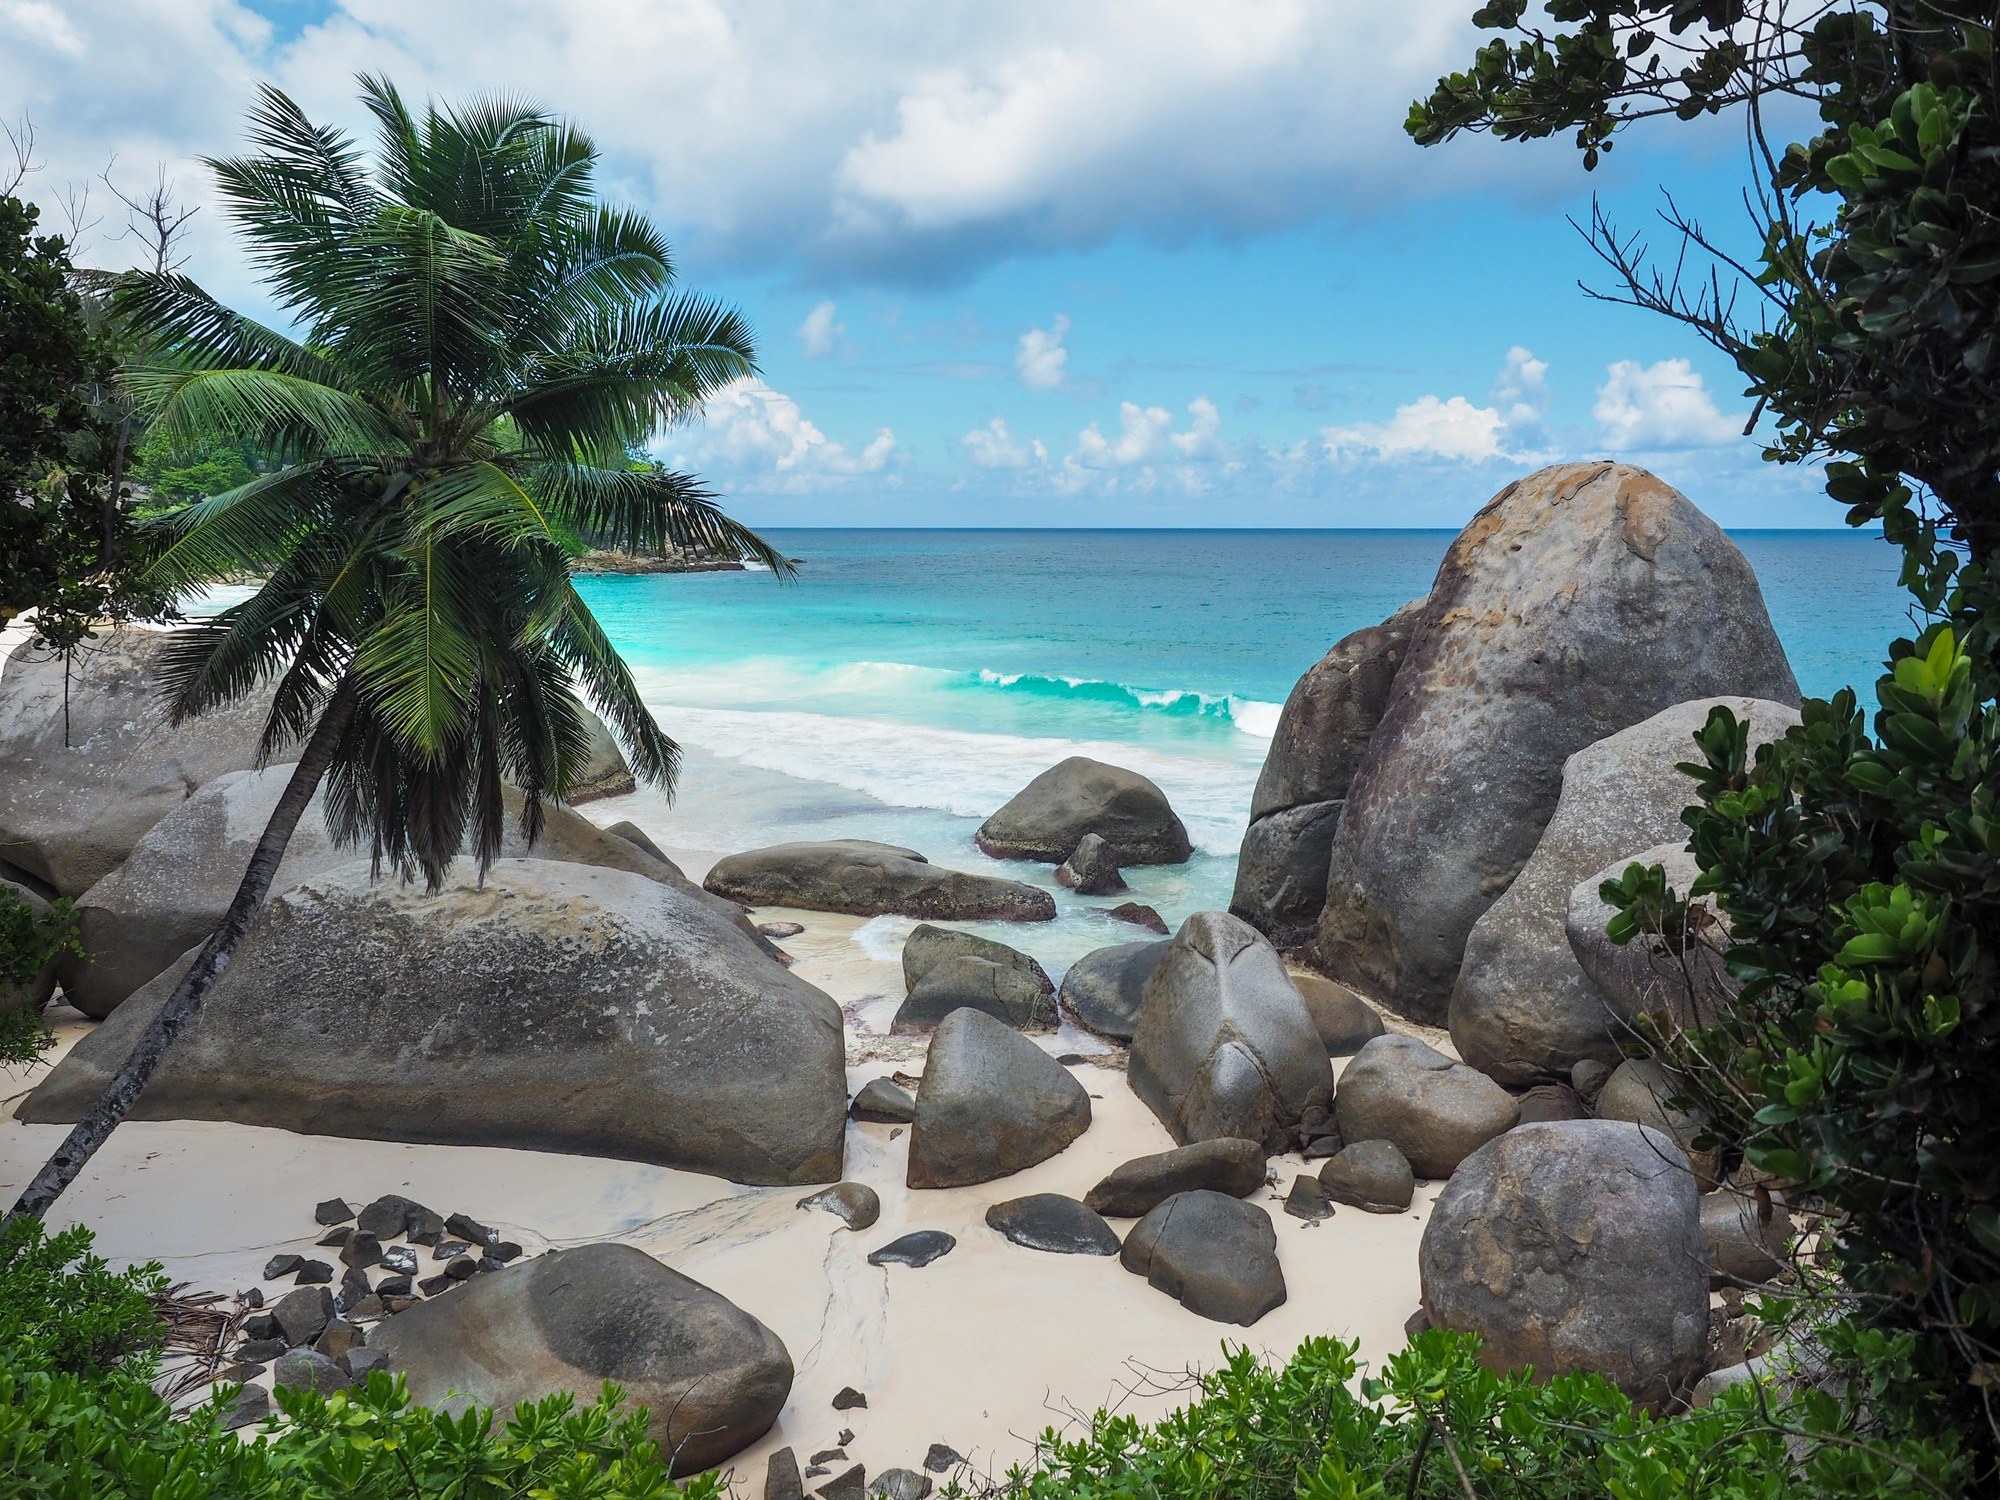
<point>483,343</point>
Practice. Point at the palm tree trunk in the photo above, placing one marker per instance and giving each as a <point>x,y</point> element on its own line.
<point>184,1004</point>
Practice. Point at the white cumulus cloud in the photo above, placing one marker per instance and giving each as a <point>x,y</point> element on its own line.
<point>1650,408</point>
<point>819,334</point>
<point>1454,430</point>
<point>1040,359</point>
<point>1146,436</point>
<point>752,437</point>
<point>994,447</point>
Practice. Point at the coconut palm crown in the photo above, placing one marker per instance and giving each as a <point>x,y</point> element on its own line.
<point>483,344</point>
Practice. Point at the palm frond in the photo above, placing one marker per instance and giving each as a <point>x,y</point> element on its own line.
<point>649,511</point>
<point>173,312</point>
<point>595,663</point>
<point>196,406</point>
<point>244,530</point>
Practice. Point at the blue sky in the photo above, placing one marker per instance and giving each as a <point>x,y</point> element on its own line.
<point>1159,263</point>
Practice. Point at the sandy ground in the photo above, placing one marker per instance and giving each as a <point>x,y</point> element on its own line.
<point>982,1349</point>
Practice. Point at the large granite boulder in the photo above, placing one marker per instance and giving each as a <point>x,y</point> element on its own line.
<point>1225,1046</point>
<point>552,1006</point>
<point>34,994</point>
<point>1435,1111</point>
<point>1574,1245</point>
<point>173,888</point>
<point>1321,734</point>
<point>1523,1009</point>
<point>1679,981</point>
<point>1215,1255</point>
<point>866,879</point>
<point>1581,600</point>
<point>91,761</point>
<point>946,970</point>
<point>1748,1242</point>
<point>1137,1187</point>
<point>1049,816</point>
<point>1641,1091</point>
<point>605,773</point>
<point>991,1103</point>
<point>1103,990</point>
<point>711,1377</point>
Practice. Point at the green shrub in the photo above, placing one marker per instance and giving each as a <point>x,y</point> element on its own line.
<point>29,942</point>
<point>1439,1424</point>
<point>80,1420</point>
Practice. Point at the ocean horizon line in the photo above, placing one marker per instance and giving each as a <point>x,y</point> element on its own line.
<point>1837,529</point>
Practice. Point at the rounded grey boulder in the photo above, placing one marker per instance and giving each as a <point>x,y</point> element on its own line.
<point>172,890</point>
<point>34,994</point>
<point>1322,732</point>
<point>1563,613</point>
<point>1224,1045</point>
<point>1227,1165</point>
<point>711,1377</point>
<point>1346,1023</point>
<point>1748,1244</point>
<point>1049,816</point>
<point>1054,1223</point>
<point>1523,1009</point>
<point>1574,1245</point>
<point>992,1102</point>
<point>1435,1111</point>
<point>553,1006</point>
<point>1370,1175</point>
<point>1677,983</point>
<point>865,879</point>
<point>72,807</point>
<point>1103,990</point>
<point>1215,1255</point>
<point>605,772</point>
<point>945,970</point>
<point>1640,1091</point>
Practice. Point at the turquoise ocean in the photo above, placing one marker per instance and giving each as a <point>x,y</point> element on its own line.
<point>908,682</point>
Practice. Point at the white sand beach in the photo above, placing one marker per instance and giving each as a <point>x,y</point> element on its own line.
<point>982,1349</point>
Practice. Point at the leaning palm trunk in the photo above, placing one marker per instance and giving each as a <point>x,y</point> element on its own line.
<point>184,1004</point>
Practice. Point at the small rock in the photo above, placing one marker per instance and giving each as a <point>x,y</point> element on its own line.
<point>1588,1078</point>
<point>307,1369</point>
<point>371,1307</point>
<point>942,1458</point>
<point>1345,1022</point>
<point>846,1436</point>
<point>393,1305</point>
<point>852,1485</point>
<point>505,1251</point>
<point>334,1238</point>
<point>1090,869</point>
<point>814,1470</point>
<point>361,1249</point>
<point>313,1273</point>
<point>462,1269</point>
<point>333,1211</point>
<point>385,1217</point>
<point>903,1484</point>
<point>1215,1255</point>
<point>400,1258</point>
<point>301,1315</point>
<point>847,1398</point>
<point>486,1265</point>
<point>282,1265</point>
<point>855,1203</point>
<point>1320,1147</point>
<point>361,1359</point>
<point>1139,915</point>
<point>353,1288</point>
<point>430,1286</point>
<point>1072,1059</point>
<point>1416,1323</point>
<point>262,1326</point>
<point>460,1227</point>
<point>337,1338</point>
<point>1371,1175</point>
<point>261,1351</point>
<point>252,1404</point>
<point>252,1298</point>
<point>1052,1222</point>
<point>917,1248</point>
<point>883,1103</point>
<point>781,929</point>
<point>1308,1200</point>
<point>781,1477</point>
<point>1744,1248</point>
<point>422,1226</point>
<point>1227,1165</point>
<point>1551,1101</point>
<point>449,1249</point>
<point>830,1456</point>
<point>393,1286</point>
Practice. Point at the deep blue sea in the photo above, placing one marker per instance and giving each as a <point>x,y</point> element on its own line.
<point>909,682</point>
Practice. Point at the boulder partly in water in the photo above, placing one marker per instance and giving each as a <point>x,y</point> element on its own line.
<point>1049,817</point>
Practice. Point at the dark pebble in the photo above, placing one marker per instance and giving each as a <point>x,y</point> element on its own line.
<point>361,1249</point>
<point>393,1286</point>
<point>917,1248</point>
<point>282,1265</point>
<point>333,1211</point>
<point>1051,1222</point>
<point>847,1398</point>
<point>252,1298</point>
<point>459,1226</point>
<point>262,1326</point>
<point>430,1286</point>
<point>334,1238</point>
<point>1308,1200</point>
<point>313,1273</point>
<point>829,1455</point>
<point>261,1351</point>
<point>942,1458</point>
<point>852,1485</point>
<point>462,1269</point>
<point>505,1251</point>
<point>449,1250</point>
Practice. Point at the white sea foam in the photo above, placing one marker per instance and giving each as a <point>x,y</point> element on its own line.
<point>881,938</point>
